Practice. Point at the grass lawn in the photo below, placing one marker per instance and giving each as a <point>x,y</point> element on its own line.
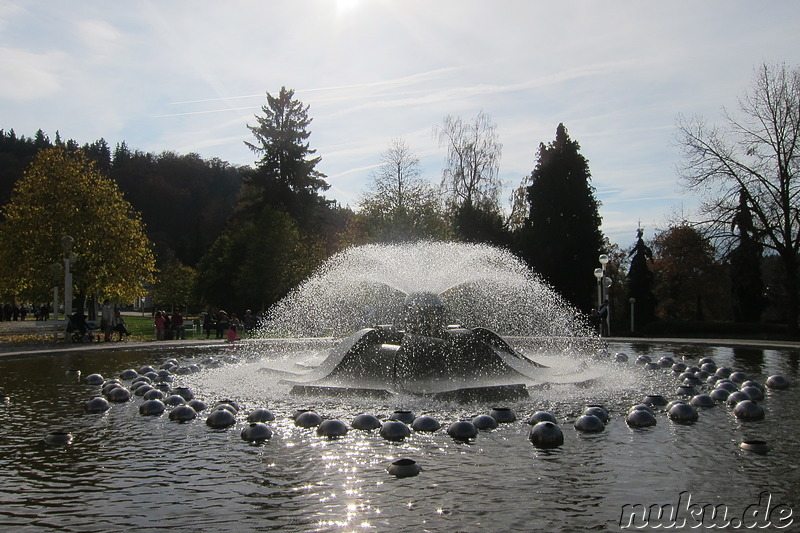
<point>142,327</point>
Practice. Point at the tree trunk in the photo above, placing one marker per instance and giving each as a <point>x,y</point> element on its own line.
<point>792,301</point>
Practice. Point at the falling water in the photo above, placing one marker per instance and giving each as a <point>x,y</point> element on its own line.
<point>480,285</point>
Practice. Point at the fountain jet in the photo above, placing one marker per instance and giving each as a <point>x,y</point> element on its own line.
<point>423,293</point>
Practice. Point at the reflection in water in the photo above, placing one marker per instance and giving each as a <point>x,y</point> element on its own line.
<point>747,359</point>
<point>643,348</point>
<point>298,481</point>
<point>793,361</point>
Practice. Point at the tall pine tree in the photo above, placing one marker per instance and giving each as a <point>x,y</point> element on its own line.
<point>286,174</point>
<point>562,239</point>
<point>278,231</point>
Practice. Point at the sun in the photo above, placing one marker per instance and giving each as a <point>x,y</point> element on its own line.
<point>344,6</point>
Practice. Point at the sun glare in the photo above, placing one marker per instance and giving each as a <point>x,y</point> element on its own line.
<point>343,6</point>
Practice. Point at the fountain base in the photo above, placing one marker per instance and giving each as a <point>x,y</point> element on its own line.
<point>458,365</point>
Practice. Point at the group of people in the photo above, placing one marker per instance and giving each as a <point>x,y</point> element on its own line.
<point>9,312</point>
<point>229,326</point>
<point>13,312</point>
<point>168,326</point>
<point>111,322</point>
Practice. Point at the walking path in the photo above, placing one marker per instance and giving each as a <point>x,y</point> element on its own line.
<point>754,343</point>
<point>48,346</point>
<point>56,347</point>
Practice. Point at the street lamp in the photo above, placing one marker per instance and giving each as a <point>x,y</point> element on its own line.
<point>55,274</point>
<point>603,283</point>
<point>69,257</point>
<point>607,285</point>
<point>598,273</point>
<point>632,300</point>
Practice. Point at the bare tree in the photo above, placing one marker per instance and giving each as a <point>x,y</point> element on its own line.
<point>397,182</point>
<point>400,204</point>
<point>473,160</point>
<point>756,155</point>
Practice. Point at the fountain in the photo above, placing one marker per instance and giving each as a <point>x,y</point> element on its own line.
<point>270,460</point>
<point>429,319</point>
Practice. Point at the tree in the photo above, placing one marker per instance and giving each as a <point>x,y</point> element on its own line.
<point>286,172</point>
<point>256,261</point>
<point>757,156</point>
<point>470,178</point>
<point>473,159</point>
<point>281,224</point>
<point>184,199</point>
<point>63,194</point>
<point>176,285</point>
<point>16,153</point>
<point>640,281</point>
<point>687,276</point>
<point>399,204</point>
<point>562,238</point>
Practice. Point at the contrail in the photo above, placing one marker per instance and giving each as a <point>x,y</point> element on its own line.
<point>407,79</point>
<point>208,111</point>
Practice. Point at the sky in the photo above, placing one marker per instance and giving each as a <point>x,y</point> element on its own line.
<point>189,76</point>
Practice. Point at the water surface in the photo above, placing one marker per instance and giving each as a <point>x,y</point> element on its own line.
<point>127,471</point>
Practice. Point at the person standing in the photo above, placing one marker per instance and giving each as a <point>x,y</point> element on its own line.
<point>249,322</point>
<point>178,328</point>
<point>160,324</point>
<point>209,324</point>
<point>222,324</point>
<point>602,315</point>
<point>233,327</point>
<point>107,321</point>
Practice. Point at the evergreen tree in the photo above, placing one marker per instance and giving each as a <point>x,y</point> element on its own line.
<point>562,239</point>
<point>286,172</point>
<point>100,153</point>
<point>184,199</point>
<point>746,283</point>
<point>480,223</point>
<point>16,153</point>
<point>640,282</point>
<point>280,228</point>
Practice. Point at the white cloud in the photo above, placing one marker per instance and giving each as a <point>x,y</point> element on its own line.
<point>190,76</point>
<point>97,34</point>
<point>28,76</point>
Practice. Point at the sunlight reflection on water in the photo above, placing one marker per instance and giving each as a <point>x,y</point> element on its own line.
<point>150,472</point>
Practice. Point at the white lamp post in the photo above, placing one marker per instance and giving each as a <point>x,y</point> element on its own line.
<point>607,285</point>
<point>55,274</point>
<point>603,261</point>
<point>632,301</point>
<point>603,283</point>
<point>598,273</point>
<point>66,243</point>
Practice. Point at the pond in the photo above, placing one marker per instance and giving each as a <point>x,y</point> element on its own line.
<point>128,471</point>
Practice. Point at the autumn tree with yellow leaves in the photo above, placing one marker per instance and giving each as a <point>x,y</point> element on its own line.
<point>62,193</point>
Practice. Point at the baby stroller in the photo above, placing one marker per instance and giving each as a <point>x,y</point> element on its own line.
<point>79,329</point>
